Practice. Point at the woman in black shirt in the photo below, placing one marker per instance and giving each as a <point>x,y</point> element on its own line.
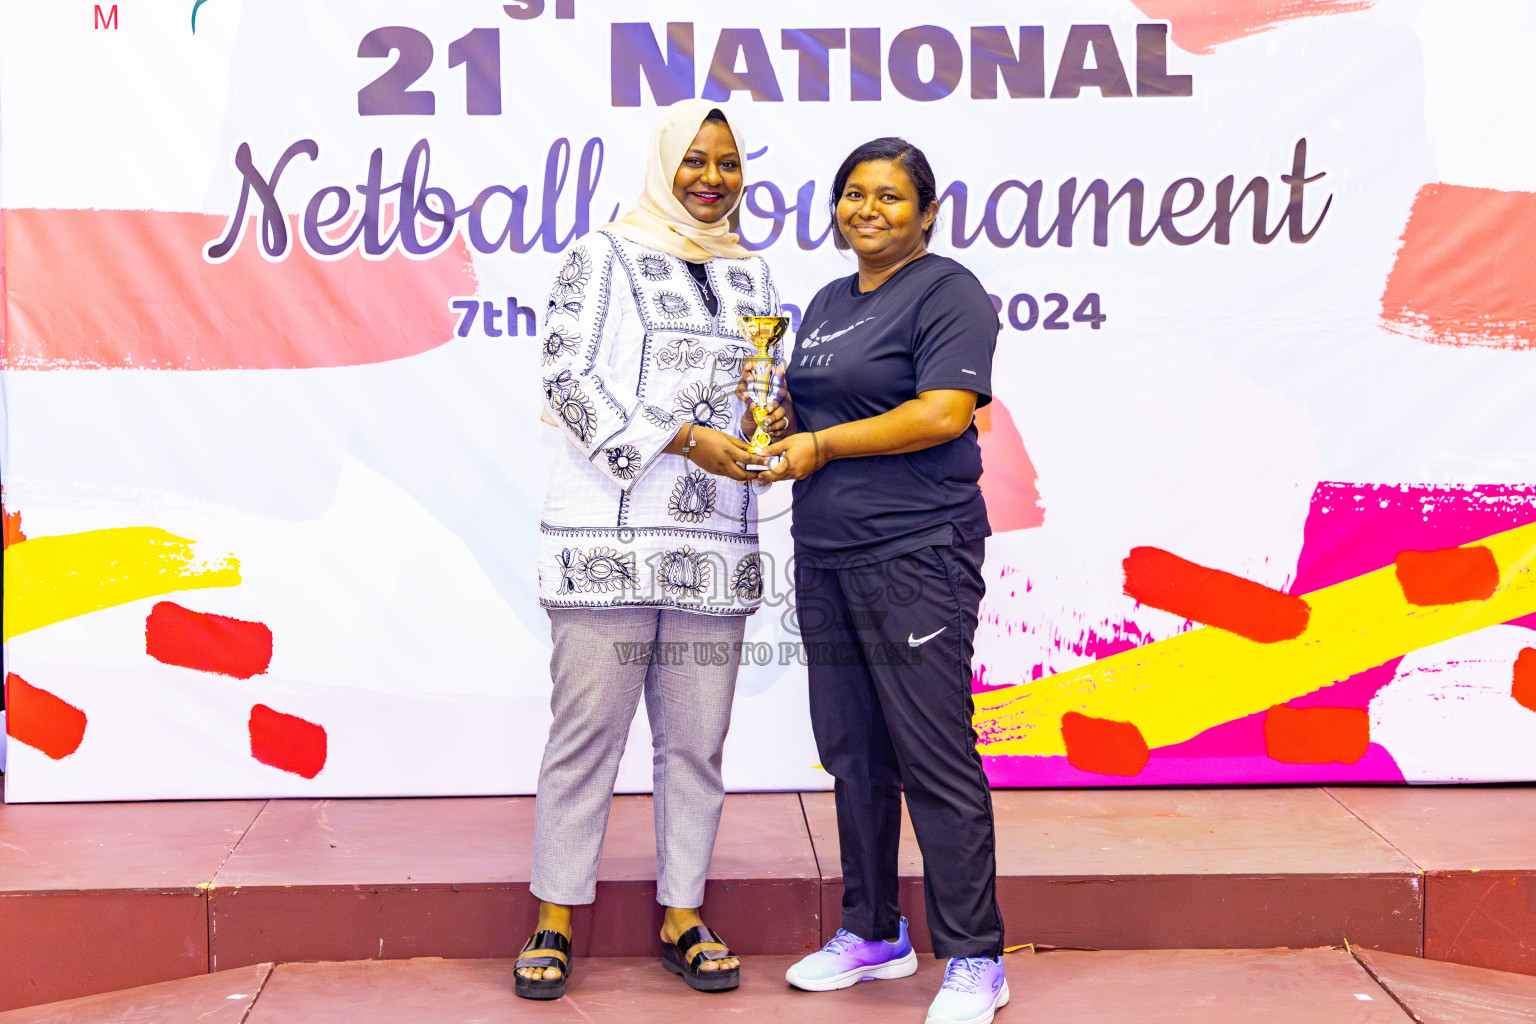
<point>889,367</point>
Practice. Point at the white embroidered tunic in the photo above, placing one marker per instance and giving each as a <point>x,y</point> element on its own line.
<point>630,354</point>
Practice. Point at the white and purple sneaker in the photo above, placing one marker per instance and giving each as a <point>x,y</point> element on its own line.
<point>974,987</point>
<point>848,960</point>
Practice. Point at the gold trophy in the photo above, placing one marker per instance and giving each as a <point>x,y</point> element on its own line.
<point>766,383</point>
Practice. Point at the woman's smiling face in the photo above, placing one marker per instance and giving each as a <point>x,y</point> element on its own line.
<point>879,215</point>
<point>709,179</point>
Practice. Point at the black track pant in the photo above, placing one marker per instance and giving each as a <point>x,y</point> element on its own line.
<point>889,647</point>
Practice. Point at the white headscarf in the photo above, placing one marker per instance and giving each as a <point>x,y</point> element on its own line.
<point>660,221</point>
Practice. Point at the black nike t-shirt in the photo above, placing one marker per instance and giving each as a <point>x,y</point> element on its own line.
<point>930,327</point>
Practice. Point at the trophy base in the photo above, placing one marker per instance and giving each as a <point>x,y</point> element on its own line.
<point>767,464</point>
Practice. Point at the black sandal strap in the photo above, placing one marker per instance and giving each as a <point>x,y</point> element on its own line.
<point>696,936</point>
<point>548,939</point>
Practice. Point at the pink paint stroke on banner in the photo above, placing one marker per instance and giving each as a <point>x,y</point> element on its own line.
<point>4,301</point>
<point>1167,769</point>
<point>129,289</point>
<point>1069,637</point>
<point>1008,478</point>
<point>1200,26</point>
<point>1353,529</point>
<point>1466,272</point>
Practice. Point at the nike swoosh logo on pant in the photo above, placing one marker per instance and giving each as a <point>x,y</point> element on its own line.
<point>919,641</point>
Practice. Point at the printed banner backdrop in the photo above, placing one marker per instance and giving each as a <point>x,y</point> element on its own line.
<point>1260,465</point>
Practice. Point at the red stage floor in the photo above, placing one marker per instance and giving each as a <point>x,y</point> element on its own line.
<point>98,897</point>
<point>1317,986</point>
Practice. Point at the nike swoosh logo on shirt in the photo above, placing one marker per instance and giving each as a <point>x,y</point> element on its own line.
<point>816,338</point>
<point>971,372</point>
<point>919,641</point>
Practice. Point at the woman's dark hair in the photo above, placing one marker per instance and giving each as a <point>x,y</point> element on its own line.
<point>716,115</point>
<point>898,151</point>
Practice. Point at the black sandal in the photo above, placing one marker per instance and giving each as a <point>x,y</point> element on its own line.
<point>544,988</point>
<point>674,957</point>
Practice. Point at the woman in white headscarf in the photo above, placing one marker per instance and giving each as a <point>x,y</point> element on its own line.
<point>648,559</point>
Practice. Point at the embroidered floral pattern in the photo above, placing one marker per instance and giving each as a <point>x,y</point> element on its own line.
<point>576,412</point>
<point>570,571</point>
<point>566,295</point>
<point>682,352</point>
<point>623,461</point>
<point>705,405</point>
<point>559,340</point>
<point>654,267</point>
<point>605,570</point>
<point>658,417</point>
<point>729,361</point>
<point>693,499</point>
<point>568,304</point>
<point>684,573</point>
<point>671,305</point>
<point>740,280</point>
<point>574,272</point>
<point>747,580</point>
<point>558,384</point>
<point>744,308</point>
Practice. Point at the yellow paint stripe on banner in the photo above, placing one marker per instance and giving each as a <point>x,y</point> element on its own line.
<point>1177,688</point>
<point>50,579</point>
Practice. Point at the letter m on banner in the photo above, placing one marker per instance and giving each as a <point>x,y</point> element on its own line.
<point>106,19</point>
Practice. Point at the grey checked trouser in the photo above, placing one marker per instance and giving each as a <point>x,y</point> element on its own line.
<point>599,670</point>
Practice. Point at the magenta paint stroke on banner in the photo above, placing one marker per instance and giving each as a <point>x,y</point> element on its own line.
<point>1351,529</point>
<point>1069,635</point>
<point>1164,769</point>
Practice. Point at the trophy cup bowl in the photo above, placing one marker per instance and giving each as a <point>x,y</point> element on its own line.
<point>765,380</point>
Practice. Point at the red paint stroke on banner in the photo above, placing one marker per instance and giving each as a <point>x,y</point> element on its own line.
<point>1448,576</point>
<point>1316,735</point>
<point>1162,580</point>
<point>114,289</point>
<point>1102,745</point>
<point>287,742</point>
<point>13,534</point>
<point>1524,687</point>
<point>1008,476</point>
<point>41,720</point>
<point>209,643</point>
<point>1200,26</point>
<point>1466,272</point>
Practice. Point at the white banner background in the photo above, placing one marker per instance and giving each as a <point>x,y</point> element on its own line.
<point>384,515</point>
